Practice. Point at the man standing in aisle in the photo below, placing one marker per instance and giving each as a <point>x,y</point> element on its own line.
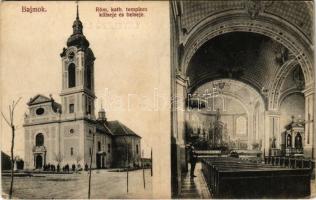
<point>193,158</point>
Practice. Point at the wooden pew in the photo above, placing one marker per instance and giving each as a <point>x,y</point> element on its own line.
<point>235,178</point>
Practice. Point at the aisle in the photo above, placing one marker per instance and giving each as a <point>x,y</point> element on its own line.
<point>195,188</point>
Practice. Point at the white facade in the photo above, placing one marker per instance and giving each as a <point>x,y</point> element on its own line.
<point>66,133</point>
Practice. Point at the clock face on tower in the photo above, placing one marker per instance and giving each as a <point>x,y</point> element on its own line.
<point>71,55</point>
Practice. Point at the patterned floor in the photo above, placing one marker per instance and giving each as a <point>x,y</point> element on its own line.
<point>194,188</point>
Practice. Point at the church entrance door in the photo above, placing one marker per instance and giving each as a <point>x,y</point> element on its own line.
<point>103,161</point>
<point>39,162</point>
<point>99,161</point>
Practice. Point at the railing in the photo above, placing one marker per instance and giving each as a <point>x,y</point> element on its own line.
<point>289,162</point>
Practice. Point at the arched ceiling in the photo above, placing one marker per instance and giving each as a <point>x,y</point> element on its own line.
<point>248,57</point>
<point>297,13</point>
<point>247,96</point>
<point>288,22</point>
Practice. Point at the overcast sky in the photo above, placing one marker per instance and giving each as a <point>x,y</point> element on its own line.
<point>132,61</point>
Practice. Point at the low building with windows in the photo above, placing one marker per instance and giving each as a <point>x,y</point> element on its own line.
<point>69,133</point>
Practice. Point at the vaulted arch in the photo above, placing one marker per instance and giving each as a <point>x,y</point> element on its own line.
<point>266,24</point>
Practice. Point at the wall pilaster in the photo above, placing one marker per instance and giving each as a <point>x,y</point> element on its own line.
<point>309,139</point>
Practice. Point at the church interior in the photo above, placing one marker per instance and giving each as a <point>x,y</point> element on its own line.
<point>243,77</point>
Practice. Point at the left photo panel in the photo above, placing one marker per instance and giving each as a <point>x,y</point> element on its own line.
<point>85,100</point>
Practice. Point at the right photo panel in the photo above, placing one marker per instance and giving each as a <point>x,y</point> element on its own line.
<point>243,99</point>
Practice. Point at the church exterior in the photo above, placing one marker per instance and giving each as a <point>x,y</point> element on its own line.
<point>68,133</point>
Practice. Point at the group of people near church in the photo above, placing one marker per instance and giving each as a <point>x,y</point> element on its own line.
<point>66,168</point>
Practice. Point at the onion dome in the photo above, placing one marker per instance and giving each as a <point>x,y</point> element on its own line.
<point>102,115</point>
<point>77,38</point>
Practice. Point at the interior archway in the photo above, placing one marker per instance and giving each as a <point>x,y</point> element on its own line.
<point>262,73</point>
<point>266,25</point>
<point>239,107</point>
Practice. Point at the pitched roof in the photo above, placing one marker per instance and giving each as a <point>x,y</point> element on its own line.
<point>102,127</point>
<point>119,129</point>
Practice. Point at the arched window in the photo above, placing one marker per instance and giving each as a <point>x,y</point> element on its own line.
<point>89,81</point>
<point>99,146</point>
<point>288,140</point>
<point>241,125</point>
<point>39,140</point>
<point>71,75</point>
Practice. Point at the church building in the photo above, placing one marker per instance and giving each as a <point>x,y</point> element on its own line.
<point>69,133</point>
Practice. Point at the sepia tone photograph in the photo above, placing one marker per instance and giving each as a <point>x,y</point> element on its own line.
<point>80,116</point>
<point>157,99</point>
<point>243,87</point>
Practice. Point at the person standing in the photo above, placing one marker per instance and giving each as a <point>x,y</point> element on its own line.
<point>193,159</point>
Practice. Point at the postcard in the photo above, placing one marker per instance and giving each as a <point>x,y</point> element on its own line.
<point>157,99</point>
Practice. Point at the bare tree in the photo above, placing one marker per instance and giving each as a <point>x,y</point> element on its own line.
<point>78,158</point>
<point>59,158</point>
<point>10,123</point>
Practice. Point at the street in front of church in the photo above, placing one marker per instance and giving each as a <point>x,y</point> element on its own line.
<point>105,184</point>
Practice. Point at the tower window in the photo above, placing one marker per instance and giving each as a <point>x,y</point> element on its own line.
<point>109,148</point>
<point>89,108</point>
<point>99,146</point>
<point>71,108</point>
<point>136,148</point>
<point>71,151</point>
<point>71,75</point>
<point>89,77</point>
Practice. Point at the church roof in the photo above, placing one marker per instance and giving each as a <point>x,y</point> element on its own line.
<point>119,129</point>
<point>102,127</point>
<point>114,128</point>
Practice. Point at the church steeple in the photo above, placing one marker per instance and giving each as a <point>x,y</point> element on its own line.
<point>77,25</point>
<point>77,38</point>
<point>77,12</point>
<point>78,73</point>
<point>102,114</point>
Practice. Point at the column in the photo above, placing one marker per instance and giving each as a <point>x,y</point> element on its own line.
<point>272,129</point>
<point>309,139</point>
<point>181,92</point>
<point>250,131</point>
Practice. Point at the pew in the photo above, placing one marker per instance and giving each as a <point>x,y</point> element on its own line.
<point>236,178</point>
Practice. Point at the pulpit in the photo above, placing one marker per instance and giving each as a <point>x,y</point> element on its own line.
<point>293,139</point>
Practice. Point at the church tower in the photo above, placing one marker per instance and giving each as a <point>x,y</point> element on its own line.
<point>77,94</point>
